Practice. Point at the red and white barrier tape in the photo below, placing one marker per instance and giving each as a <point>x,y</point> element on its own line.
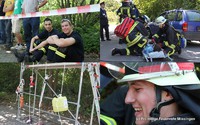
<point>64,11</point>
<point>113,67</point>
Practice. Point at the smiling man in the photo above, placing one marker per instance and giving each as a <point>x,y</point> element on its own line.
<point>163,93</point>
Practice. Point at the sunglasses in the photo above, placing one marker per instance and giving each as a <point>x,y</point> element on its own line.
<point>66,20</point>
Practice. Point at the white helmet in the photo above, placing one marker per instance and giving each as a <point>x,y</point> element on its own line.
<point>146,19</point>
<point>163,74</point>
<point>160,20</point>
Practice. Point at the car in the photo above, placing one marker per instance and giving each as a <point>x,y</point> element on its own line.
<point>186,22</point>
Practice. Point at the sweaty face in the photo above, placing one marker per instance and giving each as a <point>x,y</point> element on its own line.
<point>66,28</point>
<point>48,25</point>
<point>141,95</point>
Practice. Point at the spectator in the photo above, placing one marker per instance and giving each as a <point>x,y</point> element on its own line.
<point>16,26</point>
<point>69,42</point>
<point>31,25</point>
<point>8,9</point>
<point>2,23</point>
<point>104,22</point>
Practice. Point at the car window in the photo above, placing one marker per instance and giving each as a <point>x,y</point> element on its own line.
<point>171,16</point>
<point>179,16</point>
<point>193,15</point>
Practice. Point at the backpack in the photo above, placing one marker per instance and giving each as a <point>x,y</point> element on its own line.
<point>122,30</point>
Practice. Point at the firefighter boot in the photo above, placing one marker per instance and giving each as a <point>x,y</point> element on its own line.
<point>179,50</point>
<point>19,56</point>
<point>115,51</point>
<point>121,41</point>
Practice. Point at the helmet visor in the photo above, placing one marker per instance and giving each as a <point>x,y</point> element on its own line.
<point>162,74</point>
<point>115,69</point>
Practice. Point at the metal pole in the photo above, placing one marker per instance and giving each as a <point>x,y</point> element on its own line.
<point>79,93</point>
<point>36,80</point>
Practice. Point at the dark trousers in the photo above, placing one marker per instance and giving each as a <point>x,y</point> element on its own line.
<point>31,29</point>
<point>106,30</point>
<point>2,31</point>
<point>8,26</point>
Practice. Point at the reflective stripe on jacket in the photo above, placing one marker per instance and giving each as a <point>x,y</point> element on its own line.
<point>107,120</point>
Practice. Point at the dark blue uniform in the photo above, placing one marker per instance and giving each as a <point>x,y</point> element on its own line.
<point>114,107</point>
<point>168,39</point>
<point>104,24</point>
<point>73,53</point>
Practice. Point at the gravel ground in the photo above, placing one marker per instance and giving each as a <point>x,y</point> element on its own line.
<point>8,116</point>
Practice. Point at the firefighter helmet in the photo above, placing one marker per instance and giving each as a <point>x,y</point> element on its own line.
<point>146,19</point>
<point>163,74</point>
<point>160,20</point>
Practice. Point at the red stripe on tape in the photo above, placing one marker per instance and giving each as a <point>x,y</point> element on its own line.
<point>33,14</point>
<point>113,67</point>
<point>24,15</point>
<point>62,10</point>
<point>45,12</point>
<point>73,10</point>
<point>15,16</point>
<point>83,9</point>
<point>103,64</point>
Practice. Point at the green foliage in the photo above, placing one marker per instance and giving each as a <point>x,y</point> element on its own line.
<point>9,79</point>
<point>89,31</point>
<point>153,8</point>
<point>111,7</point>
<point>90,35</point>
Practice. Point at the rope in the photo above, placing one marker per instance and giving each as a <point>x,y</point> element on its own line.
<point>42,93</point>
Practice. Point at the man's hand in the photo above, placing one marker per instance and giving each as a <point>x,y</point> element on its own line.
<point>37,9</point>
<point>31,50</point>
<point>153,40</point>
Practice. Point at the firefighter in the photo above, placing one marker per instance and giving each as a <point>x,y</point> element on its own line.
<point>136,11</point>
<point>136,39</point>
<point>166,37</point>
<point>163,93</point>
<point>49,50</point>
<point>69,42</point>
<point>124,11</point>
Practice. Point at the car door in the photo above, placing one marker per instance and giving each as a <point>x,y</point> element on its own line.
<point>178,22</point>
<point>171,17</point>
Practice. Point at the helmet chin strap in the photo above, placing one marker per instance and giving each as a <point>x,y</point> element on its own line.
<point>155,112</point>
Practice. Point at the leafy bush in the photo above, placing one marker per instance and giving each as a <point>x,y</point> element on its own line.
<point>90,35</point>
